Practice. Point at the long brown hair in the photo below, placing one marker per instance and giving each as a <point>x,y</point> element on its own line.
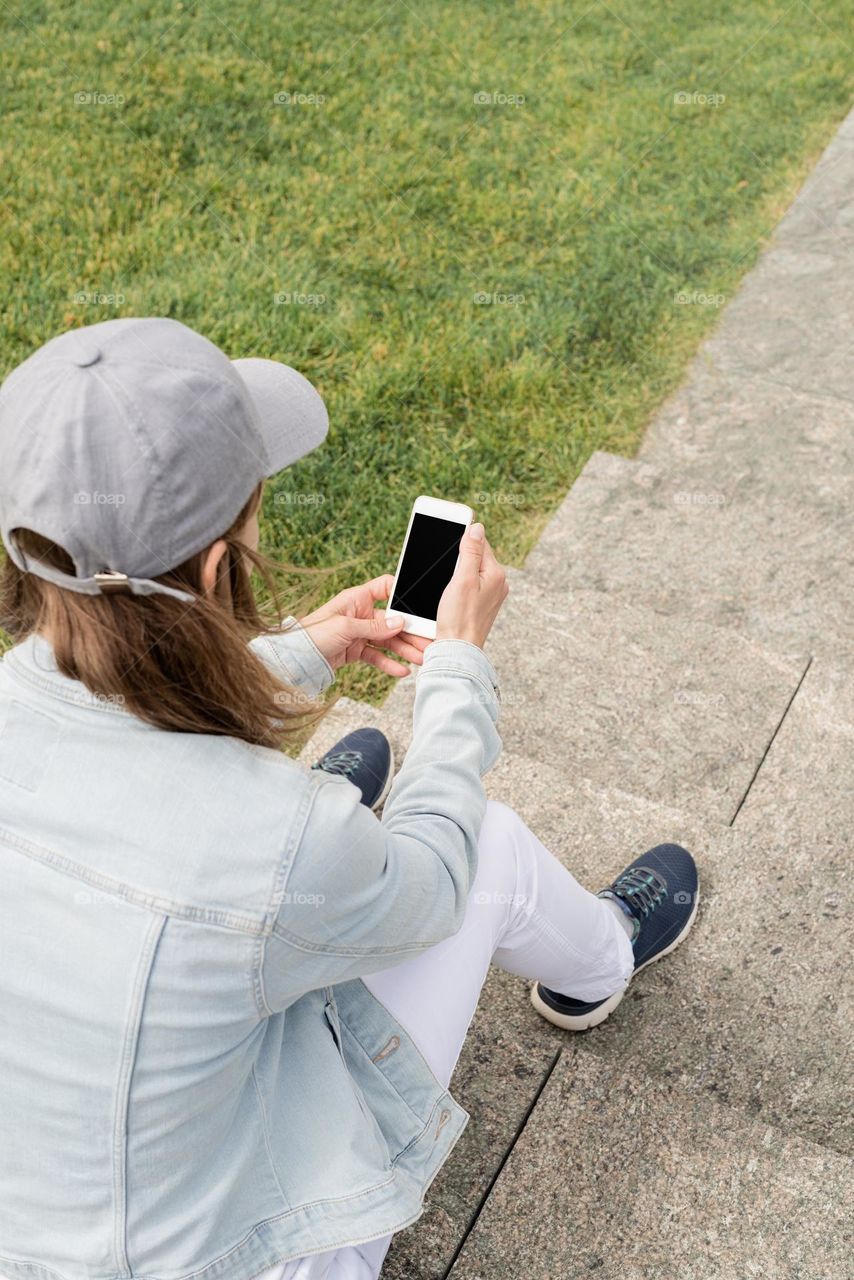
<point>179,666</point>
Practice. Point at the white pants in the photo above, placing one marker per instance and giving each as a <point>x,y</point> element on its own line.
<point>525,914</point>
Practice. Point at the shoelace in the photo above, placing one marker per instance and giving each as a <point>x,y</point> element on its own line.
<point>343,762</point>
<point>641,889</point>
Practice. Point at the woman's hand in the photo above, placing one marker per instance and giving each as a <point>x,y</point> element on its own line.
<point>348,628</point>
<point>478,589</point>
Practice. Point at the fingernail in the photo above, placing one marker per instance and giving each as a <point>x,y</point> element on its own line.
<point>476,532</point>
<point>395,619</point>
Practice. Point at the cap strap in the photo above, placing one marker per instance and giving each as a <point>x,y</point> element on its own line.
<point>107,582</point>
<point>110,582</point>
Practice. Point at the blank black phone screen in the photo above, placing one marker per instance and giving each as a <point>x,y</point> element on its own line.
<point>428,565</point>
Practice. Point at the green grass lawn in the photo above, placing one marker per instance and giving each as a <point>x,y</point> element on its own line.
<point>469,224</point>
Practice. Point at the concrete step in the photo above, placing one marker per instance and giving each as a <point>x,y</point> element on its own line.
<point>751,439</point>
<point>790,321</point>
<point>747,1012</point>
<point>823,212</point>
<point>731,557</point>
<point>752,1008</point>
<point>628,1179</point>
<point>665,707</point>
<point>755,404</point>
<point>803,793</point>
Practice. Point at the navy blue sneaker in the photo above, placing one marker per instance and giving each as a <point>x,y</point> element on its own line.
<point>366,758</point>
<point>660,893</point>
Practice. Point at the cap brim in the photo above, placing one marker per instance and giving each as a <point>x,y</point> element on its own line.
<point>291,415</point>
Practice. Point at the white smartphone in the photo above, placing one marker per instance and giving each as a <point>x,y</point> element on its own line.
<point>427,562</point>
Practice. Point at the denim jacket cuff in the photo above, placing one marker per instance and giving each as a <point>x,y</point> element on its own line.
<point>464,658</point>
<point>293,654</point>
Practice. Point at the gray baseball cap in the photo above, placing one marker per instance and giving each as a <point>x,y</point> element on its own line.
<point>134,443</point>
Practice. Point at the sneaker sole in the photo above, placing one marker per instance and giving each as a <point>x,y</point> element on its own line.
<point>585,1021</point>
<point>381,798</point>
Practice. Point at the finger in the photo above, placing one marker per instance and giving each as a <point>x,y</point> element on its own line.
<point>376,629</point>
<point>420,642</point>
<point>403,649</point>
<point>488,553</point>
<point>489,565</point>
<point>471,551</point>
<point>359,600</point>
<point>380,588</point>
<point>375,658</point>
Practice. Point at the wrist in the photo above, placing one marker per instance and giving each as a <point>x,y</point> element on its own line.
<point>467,636</point>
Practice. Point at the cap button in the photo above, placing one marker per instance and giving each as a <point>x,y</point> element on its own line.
<point>84,354</point>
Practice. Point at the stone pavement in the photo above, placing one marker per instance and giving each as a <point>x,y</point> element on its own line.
<point>691,681</point>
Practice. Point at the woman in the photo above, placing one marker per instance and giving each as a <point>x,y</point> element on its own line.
<point>231,998</point>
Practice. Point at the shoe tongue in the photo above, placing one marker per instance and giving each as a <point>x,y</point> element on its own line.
<point>622,903</point>
<point>610,896</point>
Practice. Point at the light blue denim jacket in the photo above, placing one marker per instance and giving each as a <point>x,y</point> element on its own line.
<point>194,1081</point>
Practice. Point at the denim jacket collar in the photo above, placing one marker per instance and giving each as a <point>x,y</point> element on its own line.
<point>33,662</point>
<point>291,654</point>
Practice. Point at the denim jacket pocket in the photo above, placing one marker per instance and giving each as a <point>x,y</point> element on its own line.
<point>330,1010</point>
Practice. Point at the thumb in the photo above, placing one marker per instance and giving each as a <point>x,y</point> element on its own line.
<point>471,550</point>
<point>375,628</point>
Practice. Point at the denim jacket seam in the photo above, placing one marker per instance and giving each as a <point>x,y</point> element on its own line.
<point>321,948</point>
<point>52,687</point>
<point>150,902</point>
<point>292,845</point>
<point>88,701</point>
<point>123,1092</point>
<point>37,1268</point>
<point>446,668</point>
<point>265,1128</point>
<point>259,993</point>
